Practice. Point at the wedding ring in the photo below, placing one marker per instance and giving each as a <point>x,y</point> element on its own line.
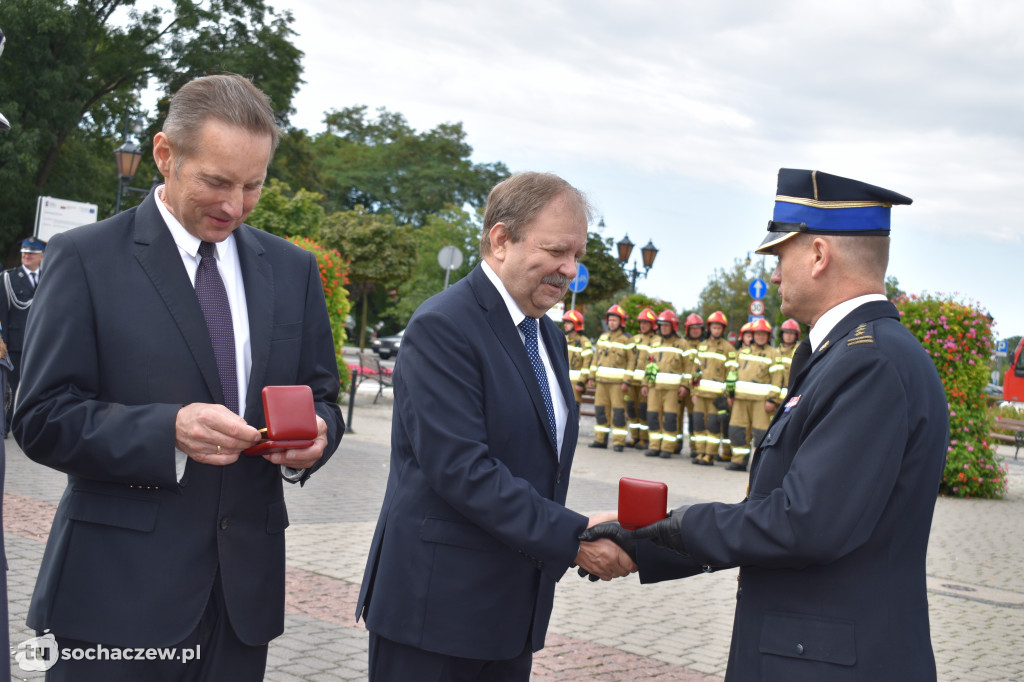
<point>218,449</point>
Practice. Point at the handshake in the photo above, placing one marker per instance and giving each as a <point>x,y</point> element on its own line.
<point>607,550</point>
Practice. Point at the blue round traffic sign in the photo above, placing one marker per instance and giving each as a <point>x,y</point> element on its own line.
<point>582,277</point>
<point>758,288</point>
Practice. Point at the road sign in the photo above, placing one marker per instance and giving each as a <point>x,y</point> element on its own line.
<point>757,288</point>
<point>449,258</point>
<point>1001,348</point>
<point>582,277</point>
<point>757,307</point>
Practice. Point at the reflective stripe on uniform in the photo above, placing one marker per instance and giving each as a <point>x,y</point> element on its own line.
<point>668,379</point>
<point>610,373</point>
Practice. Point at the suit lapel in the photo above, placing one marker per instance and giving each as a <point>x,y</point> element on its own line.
<point>258,277</point>
<point>158,255</point>
<point>501,324</point>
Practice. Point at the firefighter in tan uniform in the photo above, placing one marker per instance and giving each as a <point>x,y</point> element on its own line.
<point>790,333</point>
<point>754,396</point>
<point>608,373</point>
<point>693,335</point>
<point>665,383</point>
<point>580,352</point>
<point>716,357</point>
<point>636,400</point>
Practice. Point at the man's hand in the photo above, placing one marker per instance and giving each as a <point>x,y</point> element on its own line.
<point>683,392</point>
<point>212,434</point>
<point>730,402</point>
<point>769,406</point>
<point>604,559</point>
<point>306,457</point>
<point>643,391</point>
<point>625,387</point>
<point>667,533</point>
<point>611,530</point>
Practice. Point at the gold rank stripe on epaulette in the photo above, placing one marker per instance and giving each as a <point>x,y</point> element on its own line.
<point>859,340</point>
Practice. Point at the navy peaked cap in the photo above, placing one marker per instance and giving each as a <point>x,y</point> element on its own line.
<point>814,202</point>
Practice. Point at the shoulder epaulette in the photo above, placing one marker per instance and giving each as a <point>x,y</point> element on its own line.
<point>860,336</point>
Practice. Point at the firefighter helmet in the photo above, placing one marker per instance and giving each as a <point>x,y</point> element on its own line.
<point>760,326</point>
<point>745,327</point>
<point>791,325</point>
<point>574,316</point>
<point>647,315</point>
<point>693,319</point>
<point>718,317</point>
<point>669,316</point>
<point>617,310</point>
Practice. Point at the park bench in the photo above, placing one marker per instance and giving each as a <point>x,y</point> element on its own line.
<point>370,369</point>
<point>1015,425</point>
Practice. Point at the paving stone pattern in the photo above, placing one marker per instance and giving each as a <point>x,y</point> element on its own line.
<point>618,631</point>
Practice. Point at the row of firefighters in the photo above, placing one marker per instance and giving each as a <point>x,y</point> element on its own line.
<point>644,383</point>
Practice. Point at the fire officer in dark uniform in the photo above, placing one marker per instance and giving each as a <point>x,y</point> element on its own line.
<point>832,536</point>
<point>19,287</point>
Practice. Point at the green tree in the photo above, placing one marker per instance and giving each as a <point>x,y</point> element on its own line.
<point>288,215</point>
<point>728,291</point>
<point>73,73</point>
<point>380,253</point>
<point>386,166</point>
<point>452,227</point>
<point>892,288</point>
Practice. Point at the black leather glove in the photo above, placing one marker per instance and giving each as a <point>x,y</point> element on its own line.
<point>609,530</point>
<point>666,533</point>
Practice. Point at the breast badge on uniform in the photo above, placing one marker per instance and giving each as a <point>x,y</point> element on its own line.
<point>791,403</point>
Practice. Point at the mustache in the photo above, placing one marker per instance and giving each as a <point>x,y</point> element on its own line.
<point>560,281</point>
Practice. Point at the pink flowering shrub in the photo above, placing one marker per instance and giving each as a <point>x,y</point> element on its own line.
<point>958,337</point>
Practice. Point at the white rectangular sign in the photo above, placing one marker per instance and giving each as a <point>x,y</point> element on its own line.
<point>57,215</point>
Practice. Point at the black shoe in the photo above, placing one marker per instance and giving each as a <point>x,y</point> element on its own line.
<point>651,453</point>
<point>618,448</point>
<point>640,446</point>
<point>693,455</point>
<point>595,444</point>
<point>666,455</point>
<point>736,467</point>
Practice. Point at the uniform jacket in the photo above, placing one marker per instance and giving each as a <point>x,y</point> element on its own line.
<point>669,354</point>
<point>613,354</point>
<point>831,540</point>
<point>580,350</point>
<point>641,356</point>
<point>759,375</point>
<point>123,344</point>
<point>715,357</point>
<point>12,318</point>
<point>473,531</point>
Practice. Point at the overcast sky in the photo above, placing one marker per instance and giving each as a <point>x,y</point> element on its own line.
<point>674,117</point>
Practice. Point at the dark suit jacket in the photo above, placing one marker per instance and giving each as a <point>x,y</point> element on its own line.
<point>831,541</point>
<point>473,531</point>
<point>116,344</point>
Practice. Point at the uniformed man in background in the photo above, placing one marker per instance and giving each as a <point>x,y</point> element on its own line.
<point>664,387</point>
<point>693,335</point>
<point>755,395</point>
<point>636,401</point>
<point>580,352</point>
<point>789,334</point>
<point>608,372</point>
<point>716,357</point>
<point>19,287</point>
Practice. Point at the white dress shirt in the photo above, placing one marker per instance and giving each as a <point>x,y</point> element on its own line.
<point>557,399</point>
<point>830,319</point>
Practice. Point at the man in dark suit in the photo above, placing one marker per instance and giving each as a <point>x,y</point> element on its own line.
<point>144,388</point>
<point>473,532</point>
<point>832,536</point>
<point>19,288</point>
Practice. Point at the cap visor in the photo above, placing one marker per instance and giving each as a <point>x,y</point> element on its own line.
<point>772,240</point>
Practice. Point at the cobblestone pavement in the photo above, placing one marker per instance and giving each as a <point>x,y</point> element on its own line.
<point>671,631</point>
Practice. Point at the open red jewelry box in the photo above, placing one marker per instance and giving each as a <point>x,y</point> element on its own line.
<point>290,417</point>
<point>641,502</point>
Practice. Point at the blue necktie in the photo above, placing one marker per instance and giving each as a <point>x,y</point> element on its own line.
<point>529,329</point>
<point>213,299</point>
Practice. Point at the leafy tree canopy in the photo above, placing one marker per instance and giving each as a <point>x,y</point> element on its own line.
<point>385,166</point>
<point>73,72</point>
<point>727,290</point>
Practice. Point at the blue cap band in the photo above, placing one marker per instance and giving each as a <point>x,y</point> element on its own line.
<point>861,219</point>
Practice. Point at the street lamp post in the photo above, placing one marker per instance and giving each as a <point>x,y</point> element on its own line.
<point>647,253</point>
<point>128,156</point>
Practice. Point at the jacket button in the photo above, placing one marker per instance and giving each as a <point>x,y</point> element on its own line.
<point>800,649</point>
<point>224,523</point>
